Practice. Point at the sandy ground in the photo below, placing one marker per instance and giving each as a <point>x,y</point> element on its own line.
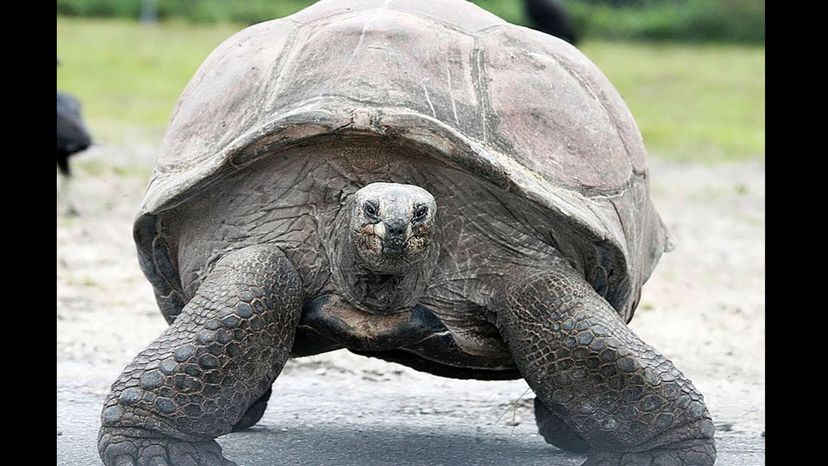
<point>704,308</point>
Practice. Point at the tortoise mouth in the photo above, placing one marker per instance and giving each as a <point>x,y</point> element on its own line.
<point>390,255</point>
<point>394,248</point>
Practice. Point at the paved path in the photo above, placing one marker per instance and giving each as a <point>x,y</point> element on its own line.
<point>391,415</point>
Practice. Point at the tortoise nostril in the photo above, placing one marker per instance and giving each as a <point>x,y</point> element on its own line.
<point>395,229</point>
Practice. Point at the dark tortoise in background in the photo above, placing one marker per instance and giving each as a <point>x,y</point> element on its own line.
<point>551,17</point>
<point>72,135</point>
<point>417,181</point>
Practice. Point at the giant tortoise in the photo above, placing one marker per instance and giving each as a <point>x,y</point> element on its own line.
<point>413,180</point>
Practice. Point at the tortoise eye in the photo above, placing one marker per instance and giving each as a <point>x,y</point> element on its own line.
<point>420,213</point>
<point>371,211</point>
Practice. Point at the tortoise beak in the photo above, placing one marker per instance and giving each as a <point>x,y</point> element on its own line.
<point>394,247</point>
<point>396,237</point>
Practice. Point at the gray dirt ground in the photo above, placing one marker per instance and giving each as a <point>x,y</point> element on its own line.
<point>704,308</point>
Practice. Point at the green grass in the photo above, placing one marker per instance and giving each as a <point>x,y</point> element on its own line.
<point>740,21</point>
<point>735,21</point>
<point>692,102</point>
<point>128,75</point>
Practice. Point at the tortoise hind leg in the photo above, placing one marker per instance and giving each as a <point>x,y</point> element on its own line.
<point>254,413</point>
<point>622,397</point>
<point>197,380</point>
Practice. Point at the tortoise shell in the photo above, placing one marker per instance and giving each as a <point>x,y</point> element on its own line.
<point>516,108</point>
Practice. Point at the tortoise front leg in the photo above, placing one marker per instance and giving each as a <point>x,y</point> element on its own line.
<point>609,392</point>
<point>555,431</point>
<point>254,413</point>
<point>197,380</point>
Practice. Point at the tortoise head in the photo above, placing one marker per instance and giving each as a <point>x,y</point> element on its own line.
<point>392,225</point>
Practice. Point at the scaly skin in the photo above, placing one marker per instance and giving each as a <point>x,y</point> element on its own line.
<point>197,380</point>
<point>254,413</point>
<point>606,387</point>
<point>555,431</point>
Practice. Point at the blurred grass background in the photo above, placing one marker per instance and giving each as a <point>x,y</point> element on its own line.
<point>691,71</point>
<point>684,20</point>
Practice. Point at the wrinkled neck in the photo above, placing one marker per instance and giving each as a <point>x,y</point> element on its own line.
<point>379,292</point>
